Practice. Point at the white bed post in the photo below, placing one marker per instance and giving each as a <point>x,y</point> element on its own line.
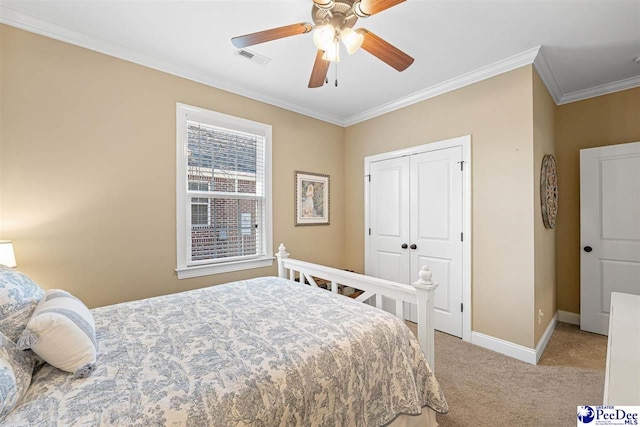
<point>282,255</point>
<point>425,291</point>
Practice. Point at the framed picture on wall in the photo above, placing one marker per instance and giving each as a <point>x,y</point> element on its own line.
<point>311,198</point>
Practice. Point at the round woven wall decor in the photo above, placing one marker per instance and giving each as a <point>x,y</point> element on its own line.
<point>549,191</point>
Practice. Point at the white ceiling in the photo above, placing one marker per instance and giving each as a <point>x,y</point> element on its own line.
<point>588,46</point>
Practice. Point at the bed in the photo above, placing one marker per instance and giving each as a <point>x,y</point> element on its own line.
<point>262,352</point>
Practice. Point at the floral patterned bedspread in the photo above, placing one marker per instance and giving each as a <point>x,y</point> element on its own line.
<point>261,352</point>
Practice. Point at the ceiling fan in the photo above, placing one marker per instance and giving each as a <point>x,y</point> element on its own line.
<point>333,20</point>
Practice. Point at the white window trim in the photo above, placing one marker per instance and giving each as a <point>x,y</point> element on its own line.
<point>183,204</point>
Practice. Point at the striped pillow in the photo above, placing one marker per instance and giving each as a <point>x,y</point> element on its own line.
<point>62,332</point>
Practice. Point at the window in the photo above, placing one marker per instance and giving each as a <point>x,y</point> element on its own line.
<point>199,206</point>
<point>223,193</point>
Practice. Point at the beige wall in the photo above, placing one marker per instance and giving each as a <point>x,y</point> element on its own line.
<point>544,239</point>
<point>87,170</point>
<point>605,120</point>
<point>497,113</point>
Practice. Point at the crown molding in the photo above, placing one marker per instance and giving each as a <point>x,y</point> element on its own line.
<point>548,77</point>
<point>25,22</point>
<point>545,72</point>
<point>604,89</point>
<point>511,63</point>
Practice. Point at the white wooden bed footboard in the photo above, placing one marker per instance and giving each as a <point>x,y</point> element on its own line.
<point>421,293</point>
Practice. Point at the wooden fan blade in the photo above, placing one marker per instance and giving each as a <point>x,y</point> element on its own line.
<point>319,72</point>
<point>385,51</point>
<point>371,7</point>
<point>272,34</point>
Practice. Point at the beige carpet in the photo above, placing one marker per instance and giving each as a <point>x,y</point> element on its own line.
<point>569,346</point>
<point>484,388</point>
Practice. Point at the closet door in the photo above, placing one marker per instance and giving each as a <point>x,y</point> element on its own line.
<point>436,230</point>
<point>389,220</point>
<point>415,219</point>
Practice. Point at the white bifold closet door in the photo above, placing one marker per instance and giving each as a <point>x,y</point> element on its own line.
<point>415,216</point>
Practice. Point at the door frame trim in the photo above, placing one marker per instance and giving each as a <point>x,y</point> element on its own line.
<point>465,143</point>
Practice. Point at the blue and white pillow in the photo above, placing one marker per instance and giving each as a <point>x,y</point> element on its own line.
<point>19,297</point>
<point>62,332</point>
<point>16,368</point>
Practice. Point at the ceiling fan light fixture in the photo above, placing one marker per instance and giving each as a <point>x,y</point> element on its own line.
<point>351,40</point>
<point>324,4</point>
<point>332,53</point>
<point>324,36</point>
<point>357,9</point>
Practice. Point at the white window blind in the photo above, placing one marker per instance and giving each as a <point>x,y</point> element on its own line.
<point>225,176</point>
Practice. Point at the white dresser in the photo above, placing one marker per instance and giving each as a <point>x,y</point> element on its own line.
<point>622,377</point>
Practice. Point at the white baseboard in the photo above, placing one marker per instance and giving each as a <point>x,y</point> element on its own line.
<point>568,317</point>
<point>546,336</point>
<point>507,348</point>
<point>516,351</point>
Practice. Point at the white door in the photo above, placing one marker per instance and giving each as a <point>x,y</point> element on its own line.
<point>436,230</point>
<point>389,220</point>
<point>415,218</point>
<point>609,230</point>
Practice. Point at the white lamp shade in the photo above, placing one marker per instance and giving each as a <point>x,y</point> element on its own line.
<point>324,36</point>
<point>332,53</point>
<point>6,253</point>
<point>351,40</point>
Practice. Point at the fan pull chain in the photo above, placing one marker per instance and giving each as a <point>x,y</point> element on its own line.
<point>336,73</point>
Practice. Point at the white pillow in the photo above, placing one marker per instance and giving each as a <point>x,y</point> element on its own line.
<point>19,296</point>
<point>62,332</point>
<point>16,368</point>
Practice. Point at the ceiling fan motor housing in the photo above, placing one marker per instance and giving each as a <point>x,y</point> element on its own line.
<point>340,16</point>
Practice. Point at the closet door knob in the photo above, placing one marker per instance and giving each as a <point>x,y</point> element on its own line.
<point>588,248</point>
<point>413,246</point>
<point>404,246</point>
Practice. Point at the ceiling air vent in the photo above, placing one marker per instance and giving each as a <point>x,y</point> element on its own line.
<point>253,57</point>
